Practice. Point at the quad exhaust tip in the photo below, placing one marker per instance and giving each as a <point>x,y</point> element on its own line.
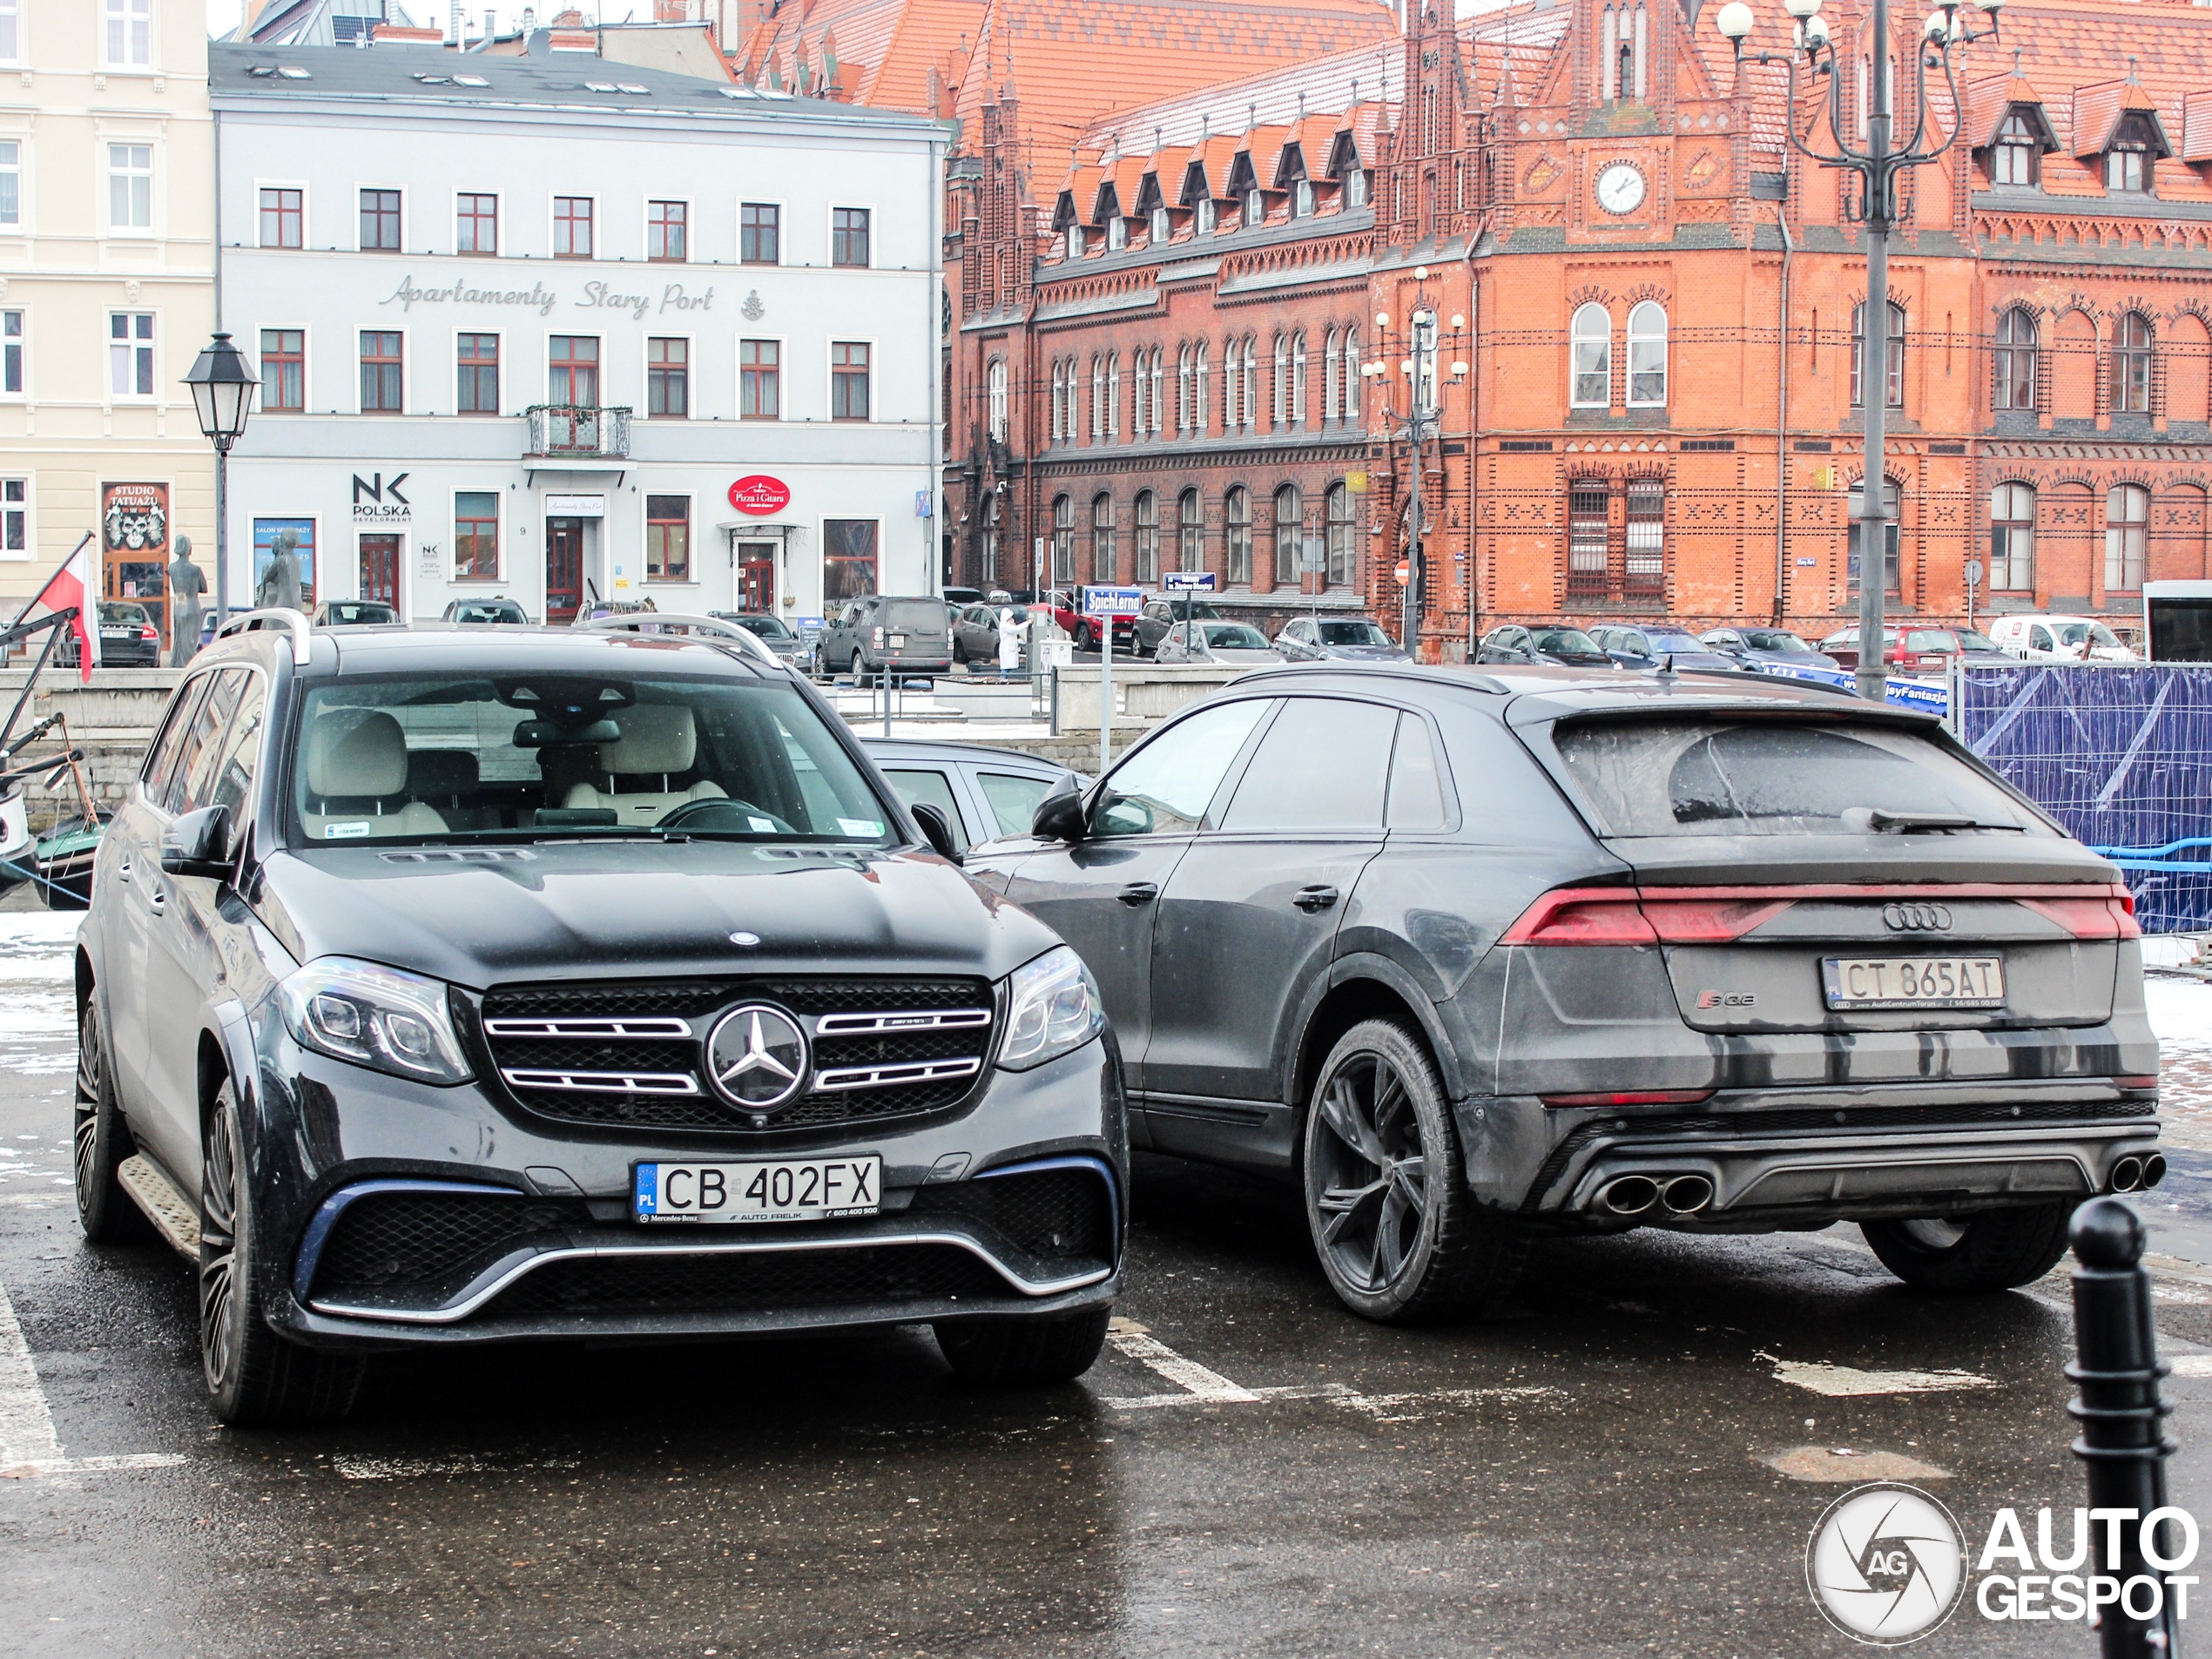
<point>1631,1195</point>
<point>1678,1195</point>
<point>1686,1194</point>
<point>2138,1174</point>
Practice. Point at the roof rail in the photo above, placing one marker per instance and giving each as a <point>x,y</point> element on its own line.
<point>293,622</point>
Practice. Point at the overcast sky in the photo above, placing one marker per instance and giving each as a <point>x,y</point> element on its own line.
<point>222,14</point>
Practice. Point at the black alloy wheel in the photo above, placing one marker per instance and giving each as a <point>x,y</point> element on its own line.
<point>100,1140</point>
<point>1398,1234</point>
<point>255,1378</point>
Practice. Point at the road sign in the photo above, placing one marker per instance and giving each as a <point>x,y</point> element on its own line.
<point>1316,554</point>
<point>1188,581</point>
<point>1404,573</point>
<point>1113,602</point>
<point>1974,573</point>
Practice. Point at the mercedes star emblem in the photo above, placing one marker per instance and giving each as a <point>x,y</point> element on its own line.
<point>755,1057</point>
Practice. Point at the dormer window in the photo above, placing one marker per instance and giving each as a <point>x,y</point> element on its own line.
<point>1163,226</point>
<point>2128,162</point>
<point>1075,242</point>
<point>1117,234</point>
<point>1355,187</point>
<point>2016,157</point>
<point>1203,216</point>
<point>1255,205</point>
<point>1302,199</point>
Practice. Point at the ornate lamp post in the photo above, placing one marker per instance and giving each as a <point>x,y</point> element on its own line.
<point>223,383</point>
<point>1876,166</point>
<point>1417,349</point>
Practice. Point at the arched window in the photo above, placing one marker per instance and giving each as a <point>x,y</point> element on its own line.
<point>1063,540</point>
<point>1230,385</point>
<point>1591,349</point>
<point>2017,156</point>
<point>994,378</point>
<point>1190,533</point>
<point>1608,52</point>
<point>991,572</point>
<point>1895,354</point>
<point>1282,381</point>
<point>2131,344</point>
<point>1648,355</point>
<point>1298,379</point>
<point>1329,379</point>
<point>1158,375</point>
<point>1289,530</point>
<point>1059,399</point>
<point>1351,373</point>
<point>2127,527</point>
<point>1237,519</point>
<point>1252,381</point>
<point>1148,537</point>
<point>1182,383</point>
<point>1339,573</point>
<point>1112,401</point>
<point>1098,397</point>
<point>1102,538</point>
<point>1198,404</point>
<point>2012,361</point>
<point>2011,539</point>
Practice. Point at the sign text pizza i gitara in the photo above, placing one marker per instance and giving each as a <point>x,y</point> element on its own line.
<point>597,296</point>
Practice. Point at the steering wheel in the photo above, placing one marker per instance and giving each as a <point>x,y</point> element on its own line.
<point>718,806</point>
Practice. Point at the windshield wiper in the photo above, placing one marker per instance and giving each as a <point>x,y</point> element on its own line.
<point>1873,820</point>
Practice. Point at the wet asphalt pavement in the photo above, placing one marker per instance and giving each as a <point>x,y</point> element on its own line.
<point>1248,1469</point>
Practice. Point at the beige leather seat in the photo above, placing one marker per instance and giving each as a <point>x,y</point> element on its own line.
<point>659,740</point>
<point>356,766</point>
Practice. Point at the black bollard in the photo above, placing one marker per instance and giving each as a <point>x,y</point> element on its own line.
<point>2122,1420</point>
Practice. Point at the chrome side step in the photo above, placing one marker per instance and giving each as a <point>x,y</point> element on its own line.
<point>164,1206</point>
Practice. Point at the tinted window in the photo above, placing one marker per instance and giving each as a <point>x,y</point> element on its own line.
<point>1969,640</point>
<point>1166,785</point>
<point>1931,639</point>
<point>1675,642</point>
<point>1566,640</point>
<point>1353,633</point>
<point>1416,784</point>
<point>1323,765</point>
<point>918,785</point>
<point>1770,777</point>
<point>195,768</point>
<point>1235,636</point>
<point>915,616</point>
<point>767,627</point>
<point>1013,798</point>
<point>1775,640</point>
<point>162,758</point>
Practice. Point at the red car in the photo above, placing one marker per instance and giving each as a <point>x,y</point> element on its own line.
<point>1084,629</point>
<point>1916,651</point>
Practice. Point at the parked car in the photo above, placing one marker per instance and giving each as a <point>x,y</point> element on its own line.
<point>427,973</point>
<point>1916,651</point>
<point>975,635</point>
<point>500,611</point>
<point>355,613</point>
<point>769,630</point>
<point>881,633</point>
<point>1474,967</point>
<point>2058,639</point>
<point>984,793</point>
<point>1215,641</point>
<point>207,622</point>
<point>1338,639</point>
<point>1568,646</point>
<point>1159,615</point>
<point>128,638</point>
<point>1755,647</point>
<point>1646,648</point>
<point>958,597</point>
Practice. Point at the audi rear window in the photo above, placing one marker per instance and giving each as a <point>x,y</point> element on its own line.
<point>1767,777</point>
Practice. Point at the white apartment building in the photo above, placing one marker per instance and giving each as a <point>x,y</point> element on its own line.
<point>560,330</point>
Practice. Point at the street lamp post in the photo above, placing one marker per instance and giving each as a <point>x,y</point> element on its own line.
<point>222,384</point>
<point>1418,346</point>
<point>1877,166</point>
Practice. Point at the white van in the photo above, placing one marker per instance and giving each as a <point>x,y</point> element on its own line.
<point>2058,639</point>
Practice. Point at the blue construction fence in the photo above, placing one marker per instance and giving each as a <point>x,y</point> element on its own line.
<point>2122,755</point>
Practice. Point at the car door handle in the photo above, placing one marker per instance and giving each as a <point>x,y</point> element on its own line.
<point>122,870</point>
<point>1312,899</point>
<point>155,899</point>
<point>1138,892</point>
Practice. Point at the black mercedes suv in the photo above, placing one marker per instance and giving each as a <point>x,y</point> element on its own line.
<point>1477,956</point>
<point>464,985</point>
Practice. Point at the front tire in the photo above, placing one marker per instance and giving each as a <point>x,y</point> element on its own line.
<point>100,1140</point>
<point>1023,1354</point>
<point>1996,1249</point>
<point>860,670</point>
<point>255,1378</point>
<point>1399,1236</point>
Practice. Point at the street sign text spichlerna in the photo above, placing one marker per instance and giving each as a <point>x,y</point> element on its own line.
<point>1188,581</point>
<point>1113,602</point>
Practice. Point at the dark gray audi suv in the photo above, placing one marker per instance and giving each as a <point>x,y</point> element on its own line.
<point>500,984</point>
<point>1476,954</point>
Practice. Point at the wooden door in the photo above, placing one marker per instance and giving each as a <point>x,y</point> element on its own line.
<point>380,561</point>
<point>756,576</point>
<point>564,569</point>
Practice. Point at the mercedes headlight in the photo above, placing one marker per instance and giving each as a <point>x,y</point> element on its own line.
<point>1052,1009</point>
<point>375,1016</point>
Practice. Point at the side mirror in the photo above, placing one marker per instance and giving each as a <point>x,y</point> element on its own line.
<point>937,829</point>
<point>199,844</point>
<point>1059,816</point>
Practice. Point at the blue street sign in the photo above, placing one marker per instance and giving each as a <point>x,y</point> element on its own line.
<point>1113,602</point>
<point>1188,581</point>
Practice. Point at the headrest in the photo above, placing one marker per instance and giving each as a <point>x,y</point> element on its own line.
<point>656,737</point>
<point>353,753</point>
<point>441,773</point>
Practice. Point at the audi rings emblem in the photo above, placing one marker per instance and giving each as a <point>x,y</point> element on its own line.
<point>1916,918</point>
<point>755,1057</point>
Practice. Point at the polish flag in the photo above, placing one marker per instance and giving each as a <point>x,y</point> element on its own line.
<point>72,585</point>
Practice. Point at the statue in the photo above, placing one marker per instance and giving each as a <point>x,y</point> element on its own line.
<point>185,585</point>
<point>280,582</point>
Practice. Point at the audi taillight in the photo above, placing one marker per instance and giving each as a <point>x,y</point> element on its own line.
<point>1632,1098</point>
<point>1640,916</point>
<point>2109,914</point>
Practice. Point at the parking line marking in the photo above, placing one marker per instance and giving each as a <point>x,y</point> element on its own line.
<point>1134,1342</point>
<point>1391,1408</point>
<point>28,1447</point>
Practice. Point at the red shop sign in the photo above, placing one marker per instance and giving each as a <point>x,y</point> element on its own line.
<point>759,495</point>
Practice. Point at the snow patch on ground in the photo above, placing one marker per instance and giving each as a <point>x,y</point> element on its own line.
<point>2180,1013</point>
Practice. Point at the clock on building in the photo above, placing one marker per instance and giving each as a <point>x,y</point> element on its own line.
<point>1620,188</point>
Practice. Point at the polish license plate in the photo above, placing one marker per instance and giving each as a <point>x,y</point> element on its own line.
<point>898,642</point>
<point>779,1190</point>
<point>1914,981</point>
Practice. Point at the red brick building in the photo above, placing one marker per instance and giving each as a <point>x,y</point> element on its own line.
<point>1661,407</point>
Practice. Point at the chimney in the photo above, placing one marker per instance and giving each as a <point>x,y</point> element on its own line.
<point>453,23</point>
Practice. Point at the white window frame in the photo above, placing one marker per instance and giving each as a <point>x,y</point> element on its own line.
<point>21,339</point>
<point>122,12</point>
<point>144,399</point>
<point>29,510</point>
<point>1578,335</point>
<point>996,404</point>
<point>645,235</point>
<point>782,234</point>
<point>359,186</point>
<point>153,196</point>
<point>598,228</point>
<point>500,228</point>
<point>21,174</point>
<point>874,210</point>
<point>11,32</point>
<point>1644,308</point>
<point>300,184</point>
